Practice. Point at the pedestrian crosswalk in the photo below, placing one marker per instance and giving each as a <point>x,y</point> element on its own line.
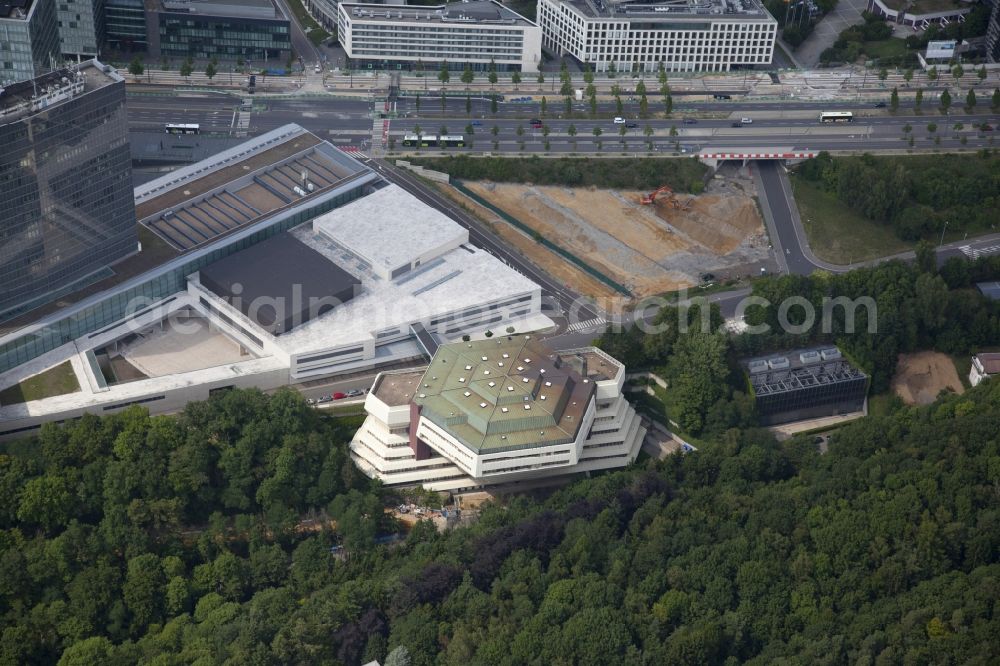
<point>976,252</point>
<point>590,324</point>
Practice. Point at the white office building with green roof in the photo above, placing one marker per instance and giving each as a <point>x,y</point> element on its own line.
<point>495,411</point>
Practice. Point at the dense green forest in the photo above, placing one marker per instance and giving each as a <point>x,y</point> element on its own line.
<point>881,551</point>
<point>916,306</point>
<point>633,174</point>
<point>208,537</point>
<point>916,194</point>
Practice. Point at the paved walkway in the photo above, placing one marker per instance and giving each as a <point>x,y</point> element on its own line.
<point>846,14</point>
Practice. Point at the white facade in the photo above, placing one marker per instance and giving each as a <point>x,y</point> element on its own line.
<point>639,38</point>
<point>983,367</point>
<point>476,33</point>
<point>610,436</point>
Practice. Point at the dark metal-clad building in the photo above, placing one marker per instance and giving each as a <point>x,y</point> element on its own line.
<point>65,173</point>
<point>805,384</point>
<point>255,30</point>
<point>280,283</point>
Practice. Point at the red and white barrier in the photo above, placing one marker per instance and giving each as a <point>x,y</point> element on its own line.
<point>755,156</point>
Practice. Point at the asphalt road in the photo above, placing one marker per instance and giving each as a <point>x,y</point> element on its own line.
<point>347,122</point>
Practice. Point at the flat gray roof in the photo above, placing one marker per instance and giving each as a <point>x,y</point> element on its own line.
<point>649,10</point>
<point>51,89</point>
<point>476,11</point>
<point>390,227</point>
<point>263,9</point>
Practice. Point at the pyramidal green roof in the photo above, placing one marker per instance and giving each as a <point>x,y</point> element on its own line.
<point>504,393</point>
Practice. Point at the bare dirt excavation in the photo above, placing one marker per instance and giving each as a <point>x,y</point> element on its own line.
<point>650,249</point>
<point>920,377</point>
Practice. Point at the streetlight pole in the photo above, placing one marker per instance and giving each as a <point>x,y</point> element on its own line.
<point>943,229</point>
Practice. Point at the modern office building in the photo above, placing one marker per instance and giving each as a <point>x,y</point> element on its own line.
<point>29,40</point>
<point>287,260</point>
<point>125,25</point>
<point>636,35</point>
<point>993,34</point>
<point>66,178</point>
<point>255,30</point>
<point>499,410</point>
<point>324,11</point>
<point>805,384</point>
<point>478,33</point>
<point>81,27</point>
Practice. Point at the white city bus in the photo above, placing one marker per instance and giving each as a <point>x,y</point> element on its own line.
<point>181,128</point>
<point>836,117</point>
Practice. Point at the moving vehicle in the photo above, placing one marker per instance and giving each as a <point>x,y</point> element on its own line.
<point>722,96</point>
<point>631,124</point>
<point>451,140</point>
<point>477,123</point>
<point>536,123</point>
<point>879,105</point>
<point>619,120</point>
<point>737,124</point>
<point>690,121</point>
<point>181,128</point>
<point>746,121</point>
<point>836,117</point>
<point>319,68</point>
<point>986,127</point>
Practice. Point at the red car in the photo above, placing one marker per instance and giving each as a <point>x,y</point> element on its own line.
<point>339,396</point>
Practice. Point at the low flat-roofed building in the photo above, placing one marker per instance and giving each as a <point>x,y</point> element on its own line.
<point>386,232</point>
<point>254,30</point>
<point>498,410</point>
<point>990,290</point>
<point>680,35</point>
<point>243,191</point>
<point>984,366</point>
<point>279,283</point>
<point>480,34</point>
<point>805,384</point>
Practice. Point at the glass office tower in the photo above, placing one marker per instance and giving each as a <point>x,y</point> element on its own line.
<point>65,170</point>
<point>29,40</point>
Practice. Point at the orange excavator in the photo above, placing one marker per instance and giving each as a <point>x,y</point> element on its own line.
<point>672,199</point>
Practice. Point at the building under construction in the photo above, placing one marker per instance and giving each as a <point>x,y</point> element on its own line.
<point>805,384</point>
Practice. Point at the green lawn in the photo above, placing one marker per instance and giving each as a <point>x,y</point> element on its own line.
<point>59,380</point>
<point>838,234</point>
<point>886,48</point>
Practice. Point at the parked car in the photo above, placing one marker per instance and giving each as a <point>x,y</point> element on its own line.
<point>690,121</point>
<point>324,398</point>
<point>619,120</point>
<point>339,396</point>
<point>353,392</point>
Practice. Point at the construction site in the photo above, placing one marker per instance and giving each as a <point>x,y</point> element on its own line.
<point>647,242</point>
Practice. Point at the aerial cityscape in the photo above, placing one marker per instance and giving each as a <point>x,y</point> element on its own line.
<point>417,332</point>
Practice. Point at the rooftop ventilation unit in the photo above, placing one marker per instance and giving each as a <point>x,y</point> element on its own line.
<point>809,357</point>
<point>757,366</point>
<point>779,363</point>
<point>831,353</point>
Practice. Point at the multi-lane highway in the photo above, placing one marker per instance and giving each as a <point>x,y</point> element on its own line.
<point>348,122</point>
